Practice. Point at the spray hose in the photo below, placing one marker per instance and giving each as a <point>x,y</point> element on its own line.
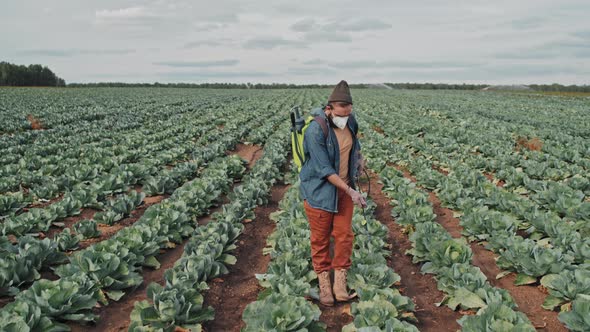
<point>358,182</point>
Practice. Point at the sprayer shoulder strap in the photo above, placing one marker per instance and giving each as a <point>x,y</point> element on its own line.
<point>323,125</point>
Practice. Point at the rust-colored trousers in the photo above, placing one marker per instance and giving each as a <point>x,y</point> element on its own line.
<point>323,225</point>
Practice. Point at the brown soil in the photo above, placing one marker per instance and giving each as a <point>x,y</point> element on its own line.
<point>445,217</point>
<point>337,316</point>
<point>491,178</point>
<point>420,288</point>
<point>108,231</point>
<point>5,300</point>
<point>251,153</point>
<point>230,294</point>
<point>86,213</point>
<point>439,170</point>
<point>44,204</point>
<point>528,298</point>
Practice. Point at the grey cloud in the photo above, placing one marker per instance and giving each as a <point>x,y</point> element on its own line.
<point>106,52</point>
<point>585,34</point>
<point>544,32</point>
<point>524,55</point>
<point>211,42</point>
<point>223,17</point>
<point>325,36</point>
<point>272,42</point>
<point>168,16</point>
<point>290,8</point>
<point>354,25</point>
<point>520,70</point>
<point>404,64</point>
<point>357,64</point>
<point>505,72</point>
<point>529,22</point>
<point>307,24</point>
<point>175,76</point>
<point>556,49</point>
<point>314,62</point>
<point>199,75</point>
<point>129,13</point>
<point>110,76</point>
<point>565,44</point>
<point>49,53</point>
<point>199,64</point>
<point>197,44</point>
<point>206,27</point>
<point>441,64</point>
<point>363,24</point>
<point>130,16</point>
<point>123,13</point>
<point>73,52</point>
<point>305,71</point>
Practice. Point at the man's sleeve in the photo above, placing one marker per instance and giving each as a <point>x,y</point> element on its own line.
<point>315,143</point>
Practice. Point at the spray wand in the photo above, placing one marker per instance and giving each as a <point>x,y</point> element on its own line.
<point>368,191</point>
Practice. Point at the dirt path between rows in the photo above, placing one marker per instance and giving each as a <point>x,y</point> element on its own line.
<point>116,316</point>
<point>249,152</point>
<point>420,288</point>
<point>230,294</point>
<point>338,315</point>
<point>529,298</point>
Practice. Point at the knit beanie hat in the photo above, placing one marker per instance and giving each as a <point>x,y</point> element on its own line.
<point>341,93</point>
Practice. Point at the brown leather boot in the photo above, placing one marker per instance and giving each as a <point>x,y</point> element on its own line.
<point>340,286</point>
<point>326,296</point>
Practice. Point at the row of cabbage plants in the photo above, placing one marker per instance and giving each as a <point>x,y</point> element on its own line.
<point>447,258</point>
<point>106,270</point>
<point>155,179</point>
<point>562,263</point>
<point>179,302</point>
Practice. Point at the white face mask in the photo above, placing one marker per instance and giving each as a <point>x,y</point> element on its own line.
<point>340,121</point>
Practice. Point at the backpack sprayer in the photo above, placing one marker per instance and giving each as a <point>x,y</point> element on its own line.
<point>297,126</point>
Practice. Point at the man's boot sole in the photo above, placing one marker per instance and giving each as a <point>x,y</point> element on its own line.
<point>348,298</point>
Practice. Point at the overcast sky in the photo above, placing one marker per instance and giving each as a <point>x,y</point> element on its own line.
<point>299,41</point>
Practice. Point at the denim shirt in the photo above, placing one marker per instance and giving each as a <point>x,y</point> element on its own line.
<point>322,159</point>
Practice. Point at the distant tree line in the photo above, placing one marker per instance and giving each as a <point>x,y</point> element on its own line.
<point>443,86</point>
<point>560,88</point>
<point>410,86</point>
<point>208,85</point>
<point>436,86</point>
<point>429,86</point>
<point>31,75</point>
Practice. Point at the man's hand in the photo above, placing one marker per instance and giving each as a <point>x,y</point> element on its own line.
<point>357,198</point>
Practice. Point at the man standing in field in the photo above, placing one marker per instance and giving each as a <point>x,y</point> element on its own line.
<point>327,186</point>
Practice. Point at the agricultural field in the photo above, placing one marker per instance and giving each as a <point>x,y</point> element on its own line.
<point>162,209</point>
